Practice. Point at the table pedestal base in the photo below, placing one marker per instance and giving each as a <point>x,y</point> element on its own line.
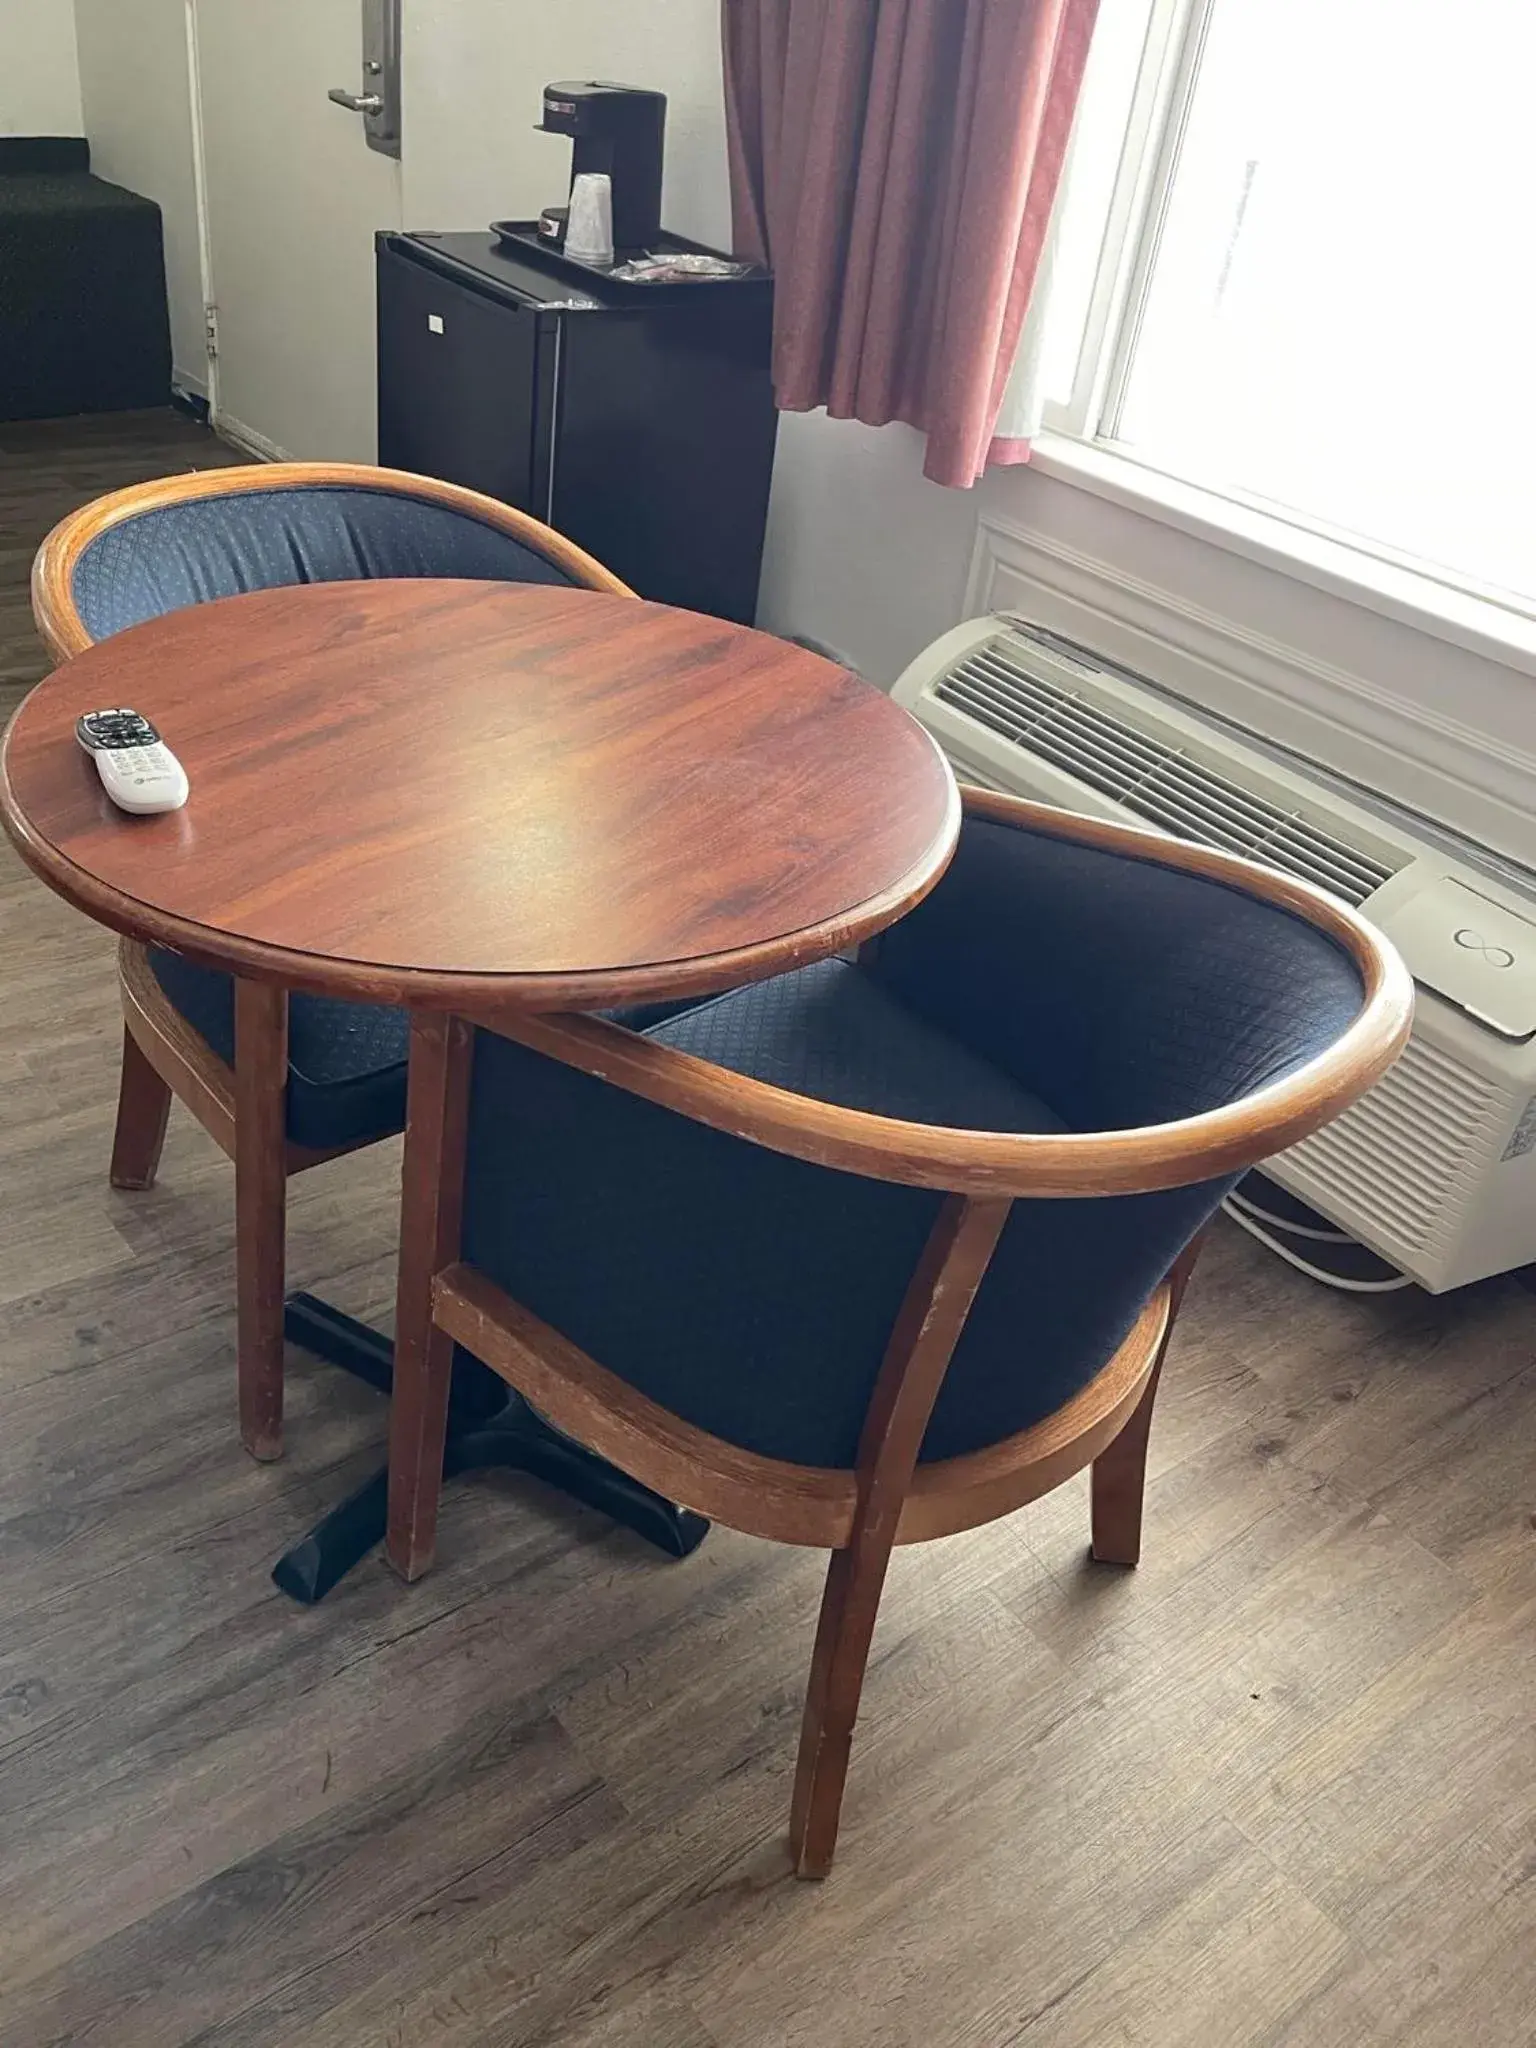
<point>489,1425</point>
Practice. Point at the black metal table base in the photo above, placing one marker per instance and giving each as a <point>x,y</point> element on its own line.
<point>488,1426</point>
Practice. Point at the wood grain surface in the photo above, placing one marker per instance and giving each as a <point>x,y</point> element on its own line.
<point>811,1505</point>
<point>412,791</point>
<point>48,469</point>
<point>1275,1789</point>
<point>261,1182</point>
<point>431,1220</point>
<point>928,1325</point>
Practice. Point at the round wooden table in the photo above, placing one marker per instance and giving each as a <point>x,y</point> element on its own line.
<point>463,797</point>
<point>458,795</point>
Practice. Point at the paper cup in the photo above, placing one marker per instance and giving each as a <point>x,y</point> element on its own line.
<point>589,232</point>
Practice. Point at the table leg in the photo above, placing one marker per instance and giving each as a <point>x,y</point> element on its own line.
<point>490,1427</point>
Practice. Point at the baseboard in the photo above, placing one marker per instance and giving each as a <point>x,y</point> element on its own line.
<point>239,435</point>
<point>820,647</point>
<point>193,405</point>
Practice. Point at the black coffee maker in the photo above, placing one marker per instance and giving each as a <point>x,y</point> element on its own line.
<point>617,129</point>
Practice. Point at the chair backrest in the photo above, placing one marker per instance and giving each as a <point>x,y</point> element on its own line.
<point>1318,1056</point>
<point>158,547</point>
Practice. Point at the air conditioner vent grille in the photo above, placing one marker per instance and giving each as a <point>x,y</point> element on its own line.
<point>1404,1158</point>
<point>1160,781</point>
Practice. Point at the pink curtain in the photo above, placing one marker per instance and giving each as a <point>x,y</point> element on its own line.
<point>895,162</point>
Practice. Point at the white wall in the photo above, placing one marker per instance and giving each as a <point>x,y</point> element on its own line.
<point>137,107</point>
<point>867,557</point>
<point>863,554</point>
<point>474,77</point>
<point>39,79</point>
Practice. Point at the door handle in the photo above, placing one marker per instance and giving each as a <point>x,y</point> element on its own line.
<point>379,100</point>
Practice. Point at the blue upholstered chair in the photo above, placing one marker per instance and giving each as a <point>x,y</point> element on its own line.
<point>878,1251</point>
<point>182,541</point>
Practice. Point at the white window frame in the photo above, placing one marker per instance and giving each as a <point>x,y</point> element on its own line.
<point>1175,36</point>
<point>1079,443</point>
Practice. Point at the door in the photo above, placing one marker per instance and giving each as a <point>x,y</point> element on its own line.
<point>294,195</point>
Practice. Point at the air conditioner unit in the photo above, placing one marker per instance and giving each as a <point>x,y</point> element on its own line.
<point>1435,1167</point>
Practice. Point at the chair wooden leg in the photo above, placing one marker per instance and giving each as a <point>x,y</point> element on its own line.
<point>1119,1477</point>
<point>844,1633</point>
<point>933,1312</point>
<point>1118,1484</point>
<point>418,1432</point>
<point>143,1106</point>
<point>261,1186</point>
<point>431,1205</point>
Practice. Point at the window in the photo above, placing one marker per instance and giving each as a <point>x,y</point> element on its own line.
<point>1293,268</point>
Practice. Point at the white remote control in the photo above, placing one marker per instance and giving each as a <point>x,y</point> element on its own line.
<point>138,771</point>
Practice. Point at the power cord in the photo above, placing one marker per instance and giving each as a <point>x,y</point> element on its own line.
<point>1238,1200</point>
<point>1246,1215</point>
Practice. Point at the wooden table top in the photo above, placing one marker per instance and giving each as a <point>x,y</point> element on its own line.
<point>461,794</point>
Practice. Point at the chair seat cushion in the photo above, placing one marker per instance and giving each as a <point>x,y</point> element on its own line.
<point>753,1294</point>
<point>346,1061</point>
<point>832,1032</point>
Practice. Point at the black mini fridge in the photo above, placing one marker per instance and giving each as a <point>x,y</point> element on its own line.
<point>636,419</point>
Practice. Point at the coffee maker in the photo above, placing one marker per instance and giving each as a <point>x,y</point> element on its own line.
<point>618,130</point>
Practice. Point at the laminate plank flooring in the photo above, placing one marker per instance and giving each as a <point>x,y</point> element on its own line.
<point>1275,1789</point>
<point>47,468</point>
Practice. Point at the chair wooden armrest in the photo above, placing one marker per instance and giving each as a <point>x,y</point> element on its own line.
<point>983,1163</point>
<point>53,570</point>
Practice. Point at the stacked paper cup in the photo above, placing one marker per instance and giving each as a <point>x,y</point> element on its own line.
<point>589,232</point>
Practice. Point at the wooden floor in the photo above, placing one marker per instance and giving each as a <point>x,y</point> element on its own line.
<point>47,468</point>
<point>1277,1786</point>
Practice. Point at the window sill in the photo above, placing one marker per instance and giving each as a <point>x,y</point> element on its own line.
<point>1480,625</point>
